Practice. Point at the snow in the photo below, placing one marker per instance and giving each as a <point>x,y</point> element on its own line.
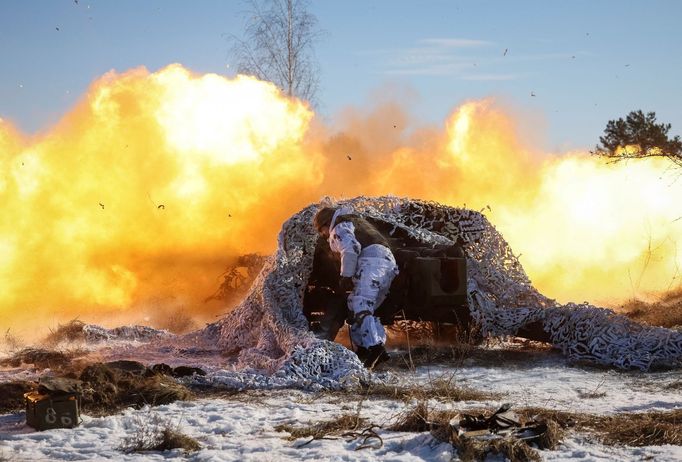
<point>242,426</point>
<point>553,384</point>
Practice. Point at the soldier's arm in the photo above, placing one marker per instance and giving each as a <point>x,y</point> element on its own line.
<point>342,239</point>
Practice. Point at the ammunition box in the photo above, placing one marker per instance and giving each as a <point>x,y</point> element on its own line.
<point>44,411</point>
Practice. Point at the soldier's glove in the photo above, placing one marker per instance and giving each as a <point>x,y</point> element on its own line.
<point>346,284</point>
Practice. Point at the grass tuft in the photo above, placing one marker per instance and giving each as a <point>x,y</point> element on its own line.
<point>72,331</point>
<point>12,341</point>
<point>108,390</point>
<point>664,312</point>
<point>513,450</point>
<point>152,433</point>
<point>415,419</point>
<point>440,388</point>
<point>631,429</point>
<point>319,430</point>
<point>43,358</point>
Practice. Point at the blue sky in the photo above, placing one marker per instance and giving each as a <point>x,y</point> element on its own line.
<point>585,61</point>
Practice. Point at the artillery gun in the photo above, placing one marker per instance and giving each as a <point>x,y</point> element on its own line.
<point>431,287</point>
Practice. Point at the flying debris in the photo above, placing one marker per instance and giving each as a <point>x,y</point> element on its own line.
<point>101,205</point>
<point>161,206</point>
<point>349,157</point>
<point>505,51</point>
<point>57,29</point>
<point>532,93</point>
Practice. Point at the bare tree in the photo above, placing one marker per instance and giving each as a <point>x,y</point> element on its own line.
<point>638,135</point>
<point>278,46</point>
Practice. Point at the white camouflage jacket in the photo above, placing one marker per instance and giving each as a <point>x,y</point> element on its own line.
<point>342,240</point>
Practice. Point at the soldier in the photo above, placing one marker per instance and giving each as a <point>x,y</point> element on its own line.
<point>367,269</point>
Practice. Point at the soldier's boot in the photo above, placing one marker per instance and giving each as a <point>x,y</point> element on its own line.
<point>375,355</point>
<point>362,353</point>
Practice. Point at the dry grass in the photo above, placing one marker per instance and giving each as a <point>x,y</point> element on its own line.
<point>442,388</point>
<point>649,429</point>
<point>12,341</point>
<point>420,419</point>
<point>523,355</point>
<point>429,342</point>
<point>666,311</point>
<point>631,429</point>
<point>108,390</point>
<point>415,419</point>
<point>12,395</point>
<point>152,433</point>
<point>319,430</point>
<point>72,331</point>
<point>43,358</point>
<point>177,321</point>
<point>513,450</point>
<point>591,394</point>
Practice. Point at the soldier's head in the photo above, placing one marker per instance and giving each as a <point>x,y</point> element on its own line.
<point>323,219</point>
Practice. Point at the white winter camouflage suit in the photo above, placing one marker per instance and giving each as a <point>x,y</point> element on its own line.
<point>372,269</point>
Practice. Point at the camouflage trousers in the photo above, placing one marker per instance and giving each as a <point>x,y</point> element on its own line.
<point>372,279</point>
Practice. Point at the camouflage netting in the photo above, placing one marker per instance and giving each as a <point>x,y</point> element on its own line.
<point>268,331</point>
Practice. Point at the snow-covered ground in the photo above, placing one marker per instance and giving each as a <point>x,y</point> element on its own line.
<point>242,426</point>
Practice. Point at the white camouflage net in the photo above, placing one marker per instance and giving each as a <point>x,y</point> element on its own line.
<point>268,332</point>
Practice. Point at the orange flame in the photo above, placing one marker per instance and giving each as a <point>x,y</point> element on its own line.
<point>144,191</point>
<point>137,200</point>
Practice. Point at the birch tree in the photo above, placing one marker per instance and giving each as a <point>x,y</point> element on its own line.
<point>278,46</point>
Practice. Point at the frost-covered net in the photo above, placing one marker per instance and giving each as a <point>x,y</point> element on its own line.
<point>268,331</point>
